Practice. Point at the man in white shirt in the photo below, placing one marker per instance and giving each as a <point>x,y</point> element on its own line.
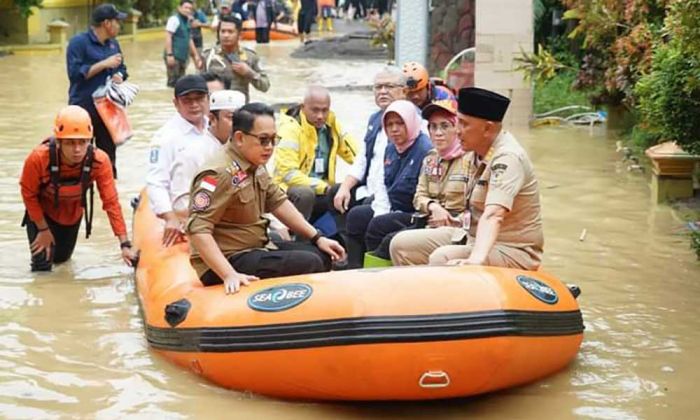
<point>186,165</point>
<point>188,126</point>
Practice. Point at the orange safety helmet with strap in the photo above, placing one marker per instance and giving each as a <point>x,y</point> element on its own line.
<point>416,76</point>
<point>72,122</point>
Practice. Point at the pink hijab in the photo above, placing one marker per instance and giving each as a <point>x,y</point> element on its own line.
<point>410,115</point>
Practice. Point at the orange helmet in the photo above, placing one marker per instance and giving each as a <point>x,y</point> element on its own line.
<point>72,122</point>
<point>416,76</point>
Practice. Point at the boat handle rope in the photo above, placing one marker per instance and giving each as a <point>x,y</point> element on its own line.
<point>434,379</point>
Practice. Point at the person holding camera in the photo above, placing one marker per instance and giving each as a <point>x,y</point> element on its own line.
<point>239,65</point>
<point>439,198</point>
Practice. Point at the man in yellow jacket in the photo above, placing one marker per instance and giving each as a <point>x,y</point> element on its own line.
<point>310,141</point>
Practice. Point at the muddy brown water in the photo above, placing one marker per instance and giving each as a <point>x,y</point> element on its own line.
<point>72,345</point>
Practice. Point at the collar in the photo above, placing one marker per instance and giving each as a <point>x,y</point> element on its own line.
<point>238,162</point>
<point>93,37</point>
<point>240,51</point>
<point>212,137</point>
<point>187,126</point>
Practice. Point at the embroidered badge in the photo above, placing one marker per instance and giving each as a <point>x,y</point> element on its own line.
<point>238,177</point>
<point>497,170</point>
<point>201,201</point>
<point>208,183</point>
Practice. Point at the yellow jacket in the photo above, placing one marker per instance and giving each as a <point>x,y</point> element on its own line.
<point>294,157</point>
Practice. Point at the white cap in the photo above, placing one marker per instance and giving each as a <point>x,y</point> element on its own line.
<point>229,100</point>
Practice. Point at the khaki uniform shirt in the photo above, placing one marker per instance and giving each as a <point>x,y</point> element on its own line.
<point>444,182</point>
<point>509,181</point>
<point>228,200</point>
<point>216,60</point>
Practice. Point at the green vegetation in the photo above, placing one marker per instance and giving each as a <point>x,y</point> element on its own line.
<point>669,95</point>
<point>558,92</point>
<point>25,6</point>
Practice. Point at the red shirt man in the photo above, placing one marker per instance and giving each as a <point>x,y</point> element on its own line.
<point>56,179</point>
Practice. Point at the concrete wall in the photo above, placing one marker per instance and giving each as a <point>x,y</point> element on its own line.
<point>412,31</point>
<point>503,27</point>
<point>451,31</point>
<point>77,17</point>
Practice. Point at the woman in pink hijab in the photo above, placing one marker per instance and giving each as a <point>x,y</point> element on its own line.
<point>439,199</point>
<point>406,149</point>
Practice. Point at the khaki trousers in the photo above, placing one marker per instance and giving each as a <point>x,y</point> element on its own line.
<point>500,256</point>
<point>413,247</point>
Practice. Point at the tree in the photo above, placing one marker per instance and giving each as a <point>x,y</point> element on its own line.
<point>618,36</point>
<point>25,6</point>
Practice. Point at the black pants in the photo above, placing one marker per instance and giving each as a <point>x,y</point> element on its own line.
<point>340,218</point>
<point>357,221</point>
<point>103,140</point>
<point>305,20</point>
<point>290,259</point>
<point>382,229</point>
<point>64,236</point>
<point>262,35</point>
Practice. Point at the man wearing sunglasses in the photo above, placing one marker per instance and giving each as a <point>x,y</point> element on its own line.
<point>230,195</point>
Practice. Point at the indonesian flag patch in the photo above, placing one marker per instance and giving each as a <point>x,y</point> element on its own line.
<point>208,183</point>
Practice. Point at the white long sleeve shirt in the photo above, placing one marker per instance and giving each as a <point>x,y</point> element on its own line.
<point>169,141</point>
<point>186,166</point>
<point>374,184</point>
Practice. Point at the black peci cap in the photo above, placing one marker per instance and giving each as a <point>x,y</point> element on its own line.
<point>482,103</point>
<point>106,11</point>
<point>190,83</point>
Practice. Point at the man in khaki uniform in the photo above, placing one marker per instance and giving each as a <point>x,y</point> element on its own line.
<point>440,192</point>
<point>229,196</point>
<point>240,66</point>
<point>504,224</point>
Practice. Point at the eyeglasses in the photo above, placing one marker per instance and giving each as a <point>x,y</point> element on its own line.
<point>265,140</point>
<point>443,126</point>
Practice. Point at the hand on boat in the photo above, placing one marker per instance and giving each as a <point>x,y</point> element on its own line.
<point>173,231</point>
<point>129,255</point>
<point>43,242</point>
<point>332,248</point>
<point>233,282</point>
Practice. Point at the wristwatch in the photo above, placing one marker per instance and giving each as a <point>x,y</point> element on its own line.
<point>125,244</point>
<point>314,239</point>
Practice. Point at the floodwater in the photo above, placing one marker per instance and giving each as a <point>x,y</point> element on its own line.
<point>71,342</point>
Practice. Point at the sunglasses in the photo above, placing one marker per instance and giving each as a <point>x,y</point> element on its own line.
<point>265,140</point>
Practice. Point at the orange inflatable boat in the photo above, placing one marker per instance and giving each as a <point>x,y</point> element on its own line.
<point>405,333</point>
<point>278,31</point>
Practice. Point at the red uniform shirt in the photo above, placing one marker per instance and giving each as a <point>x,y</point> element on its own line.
<point>38,192</point>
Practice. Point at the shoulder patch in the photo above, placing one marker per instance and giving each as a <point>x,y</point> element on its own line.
<point>201,201</point>
<point>208,183</point>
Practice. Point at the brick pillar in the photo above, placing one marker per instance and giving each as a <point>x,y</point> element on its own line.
<point>502,28</point>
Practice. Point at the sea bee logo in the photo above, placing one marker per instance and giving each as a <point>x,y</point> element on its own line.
<point>280,298</point>
<point>538,289</point>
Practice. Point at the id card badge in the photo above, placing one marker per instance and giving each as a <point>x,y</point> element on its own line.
<point>467,221</point>
<point>319,166</point>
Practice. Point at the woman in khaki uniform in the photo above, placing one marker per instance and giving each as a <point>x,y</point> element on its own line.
<point>439,198</point>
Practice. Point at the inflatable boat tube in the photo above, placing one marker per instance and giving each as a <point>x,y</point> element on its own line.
<point>278,32</point>
<point>397,333</point>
